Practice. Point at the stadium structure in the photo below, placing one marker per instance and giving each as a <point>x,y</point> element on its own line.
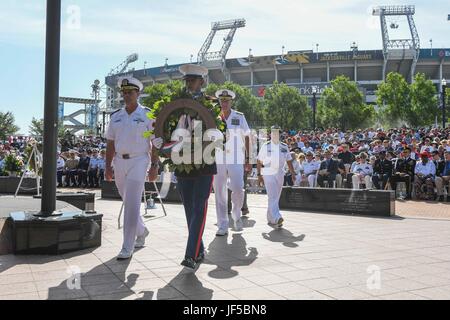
<point>307,70</point>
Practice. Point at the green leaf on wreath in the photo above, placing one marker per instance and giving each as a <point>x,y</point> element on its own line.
<point>147,134</point>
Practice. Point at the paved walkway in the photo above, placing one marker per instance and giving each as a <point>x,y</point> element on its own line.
<point>316,256</point>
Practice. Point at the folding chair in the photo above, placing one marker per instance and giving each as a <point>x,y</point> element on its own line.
<point>144,197</point>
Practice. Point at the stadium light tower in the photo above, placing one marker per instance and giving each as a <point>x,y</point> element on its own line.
<point>398,48</point>
<point>314,105</point>
<point>444,98</point>
<point>232,25</point>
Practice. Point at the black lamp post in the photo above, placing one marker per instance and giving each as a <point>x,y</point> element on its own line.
<point>444,116</point>
<point>52,59</point>
<point>314,105</point>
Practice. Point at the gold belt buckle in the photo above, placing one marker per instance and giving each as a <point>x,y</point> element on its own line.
<point>126,156</point>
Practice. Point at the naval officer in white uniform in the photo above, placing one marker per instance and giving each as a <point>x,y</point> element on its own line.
<point>132,156</point>
<point>271,161</point>
<point>232,162</point>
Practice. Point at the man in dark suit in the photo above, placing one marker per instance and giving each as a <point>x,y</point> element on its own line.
<point>328,171</point>
<point>83,167</point>
<point>382,171</point>
<point>440,168</point>
<point>404,171</point>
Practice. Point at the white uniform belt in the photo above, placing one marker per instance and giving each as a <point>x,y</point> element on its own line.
<point>130,155</point>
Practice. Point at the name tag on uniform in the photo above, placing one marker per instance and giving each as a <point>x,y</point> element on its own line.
<point>284,151</point>
<point>138,121</point>
<point>235,122</point>
<point>118,120</point>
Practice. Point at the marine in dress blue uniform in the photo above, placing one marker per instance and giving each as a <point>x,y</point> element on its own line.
<point>195,187</point>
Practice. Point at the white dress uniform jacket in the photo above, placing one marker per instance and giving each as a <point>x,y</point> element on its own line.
<point>230,170</point>
<point>131,164</point>
<point>363,173</point>
<point>274,157</point>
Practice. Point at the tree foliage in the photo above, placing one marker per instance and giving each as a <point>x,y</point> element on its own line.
<point>393,99</point>
<point>424,102</point>
<point>286,107</point>
<point>7,125</point>
<point>343,106</point>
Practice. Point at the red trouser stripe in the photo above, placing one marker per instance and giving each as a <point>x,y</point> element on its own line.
<point>205,212</point>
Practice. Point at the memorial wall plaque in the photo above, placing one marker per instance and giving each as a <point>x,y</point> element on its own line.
<point>345,201</point>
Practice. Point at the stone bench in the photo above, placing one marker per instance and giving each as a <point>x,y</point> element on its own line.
<point>8,185</point>
<point>109,191</point>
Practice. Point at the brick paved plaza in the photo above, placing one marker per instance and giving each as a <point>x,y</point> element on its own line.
<point>315,256</point>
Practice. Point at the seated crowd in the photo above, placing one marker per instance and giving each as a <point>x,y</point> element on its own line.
<point>81,161</point>
<point>373,160</point>
<point>83,169</point>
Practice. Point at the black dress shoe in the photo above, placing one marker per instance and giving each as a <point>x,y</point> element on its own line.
<point>189,263</point>
<point>200,258</point>
<point>245,212</point>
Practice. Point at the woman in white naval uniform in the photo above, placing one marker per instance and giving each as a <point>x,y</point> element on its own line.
<point>231,164</point>
<point>363,173</point>
<point>130,152</point>
<point>273,156</point>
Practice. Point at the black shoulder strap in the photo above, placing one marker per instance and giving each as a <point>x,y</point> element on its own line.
<point>115,112</point>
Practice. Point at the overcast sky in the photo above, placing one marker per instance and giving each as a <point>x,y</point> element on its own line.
<point>98,34</point>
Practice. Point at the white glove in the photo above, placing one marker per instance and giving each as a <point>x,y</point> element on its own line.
<point>158,143</point>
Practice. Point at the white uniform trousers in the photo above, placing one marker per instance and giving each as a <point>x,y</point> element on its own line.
<point>130,176</point>
<point>235,173</point>
<point>357,181</point>
<point>274,187</point>
<point>311,180</point>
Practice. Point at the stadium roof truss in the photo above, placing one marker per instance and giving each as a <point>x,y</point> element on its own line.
<point>390,46</point>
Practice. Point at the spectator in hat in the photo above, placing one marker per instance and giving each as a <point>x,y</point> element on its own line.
<point>425,175</point>
<point>382,171</point>
<point>83,167</point>
<point>59,169</point>
<point>93,170</point>
<point>404,171</point>
<point>310,169</point>
<point>362,173</point>
<point>328,170</point>
<point>71,169</point>
<point>440,168</point>
<point>101,166</point>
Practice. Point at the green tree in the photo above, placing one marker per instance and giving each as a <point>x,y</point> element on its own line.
<point>394,99</point>
<point>7,125</point>
<point>36,127</point>
<point>246,102</point>
<point>158,91</point>
<point>286,107</point>
<point>343,106</point>
<point>424,102</point>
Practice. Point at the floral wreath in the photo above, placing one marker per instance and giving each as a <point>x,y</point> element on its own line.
<point>172,123</point>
